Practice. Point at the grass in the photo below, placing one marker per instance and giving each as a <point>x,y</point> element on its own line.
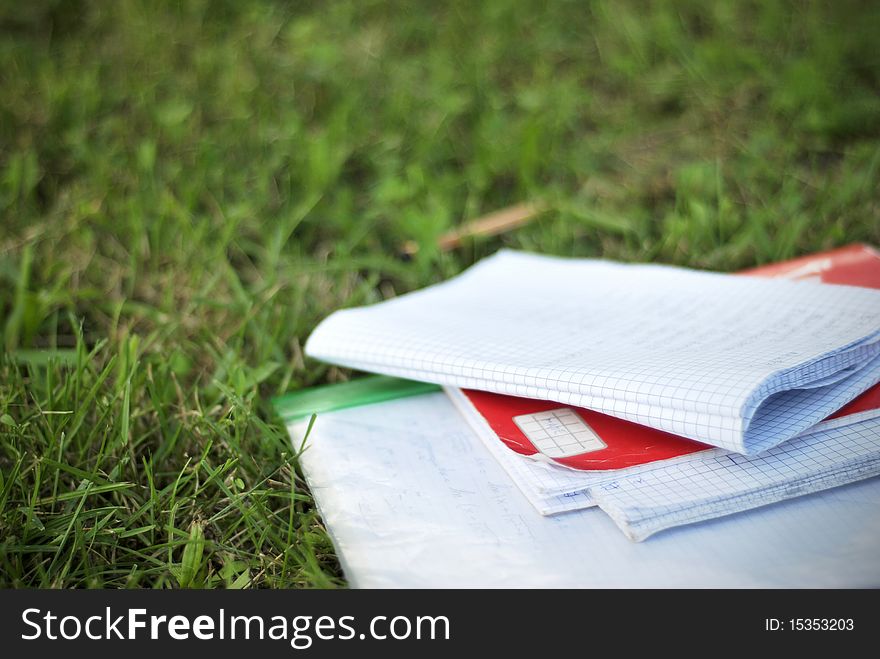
<point>186,189</point>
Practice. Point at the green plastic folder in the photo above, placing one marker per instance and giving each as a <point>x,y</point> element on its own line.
<point>330,397</point>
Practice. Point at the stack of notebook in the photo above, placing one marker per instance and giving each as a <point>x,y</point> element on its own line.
<point>663,396</point>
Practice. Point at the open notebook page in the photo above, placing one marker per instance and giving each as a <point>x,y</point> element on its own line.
<point>741,363</point>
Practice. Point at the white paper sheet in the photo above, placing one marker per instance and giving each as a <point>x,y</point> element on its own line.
<point>742,363</point>
<point>413,499</point>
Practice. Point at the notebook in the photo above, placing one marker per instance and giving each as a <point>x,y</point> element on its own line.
<point>571,437</point>
<point>741,363</point>
<point>412,498</point>
<point>553,489</point>
<point>821,461</point>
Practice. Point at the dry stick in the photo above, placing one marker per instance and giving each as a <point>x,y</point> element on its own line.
<point>492,224</point>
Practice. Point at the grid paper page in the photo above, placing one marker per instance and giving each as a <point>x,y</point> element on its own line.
<point>707,356</point>
<point>406,490</point>
<point>553,489</point>
<point>837,452</point>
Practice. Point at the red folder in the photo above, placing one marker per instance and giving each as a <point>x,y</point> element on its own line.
<point>558,431</point>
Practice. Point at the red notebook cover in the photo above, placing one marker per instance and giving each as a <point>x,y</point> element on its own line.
<point>583,439</point>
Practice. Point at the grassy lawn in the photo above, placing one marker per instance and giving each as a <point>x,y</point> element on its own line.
<point>187,189</point>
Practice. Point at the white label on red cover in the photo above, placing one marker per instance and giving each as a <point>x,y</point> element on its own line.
<point>559,433</point>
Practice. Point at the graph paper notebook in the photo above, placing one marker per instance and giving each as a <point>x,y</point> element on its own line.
<point>553,490</point>
<point>406,490</point>
<point>710,483</point>
<point>571,437</point>
<point>742,363</point>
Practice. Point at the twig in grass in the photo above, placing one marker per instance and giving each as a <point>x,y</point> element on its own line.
<point>492,224</point>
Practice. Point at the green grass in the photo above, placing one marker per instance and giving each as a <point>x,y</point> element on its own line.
<point>187,189</point>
